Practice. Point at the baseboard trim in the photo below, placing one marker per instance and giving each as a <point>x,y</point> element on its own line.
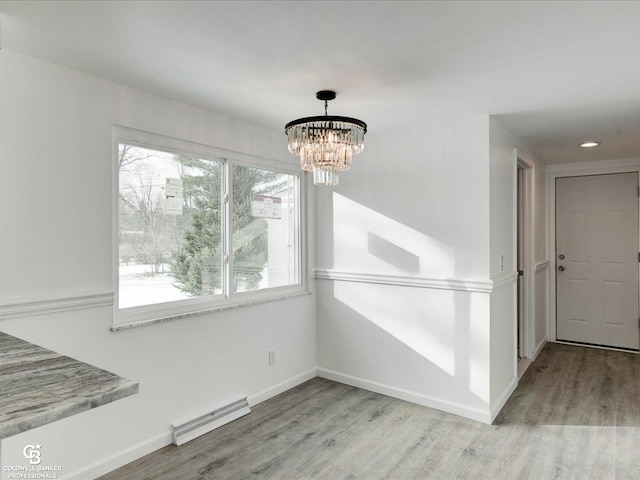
<point>161,440</point>
<point>123,457</point>
<point>599,347</point>
<point>409,396</point>
<point>523,366</point>
<point>502,401</point>
<point>538,349</point>
<point>281,387</point>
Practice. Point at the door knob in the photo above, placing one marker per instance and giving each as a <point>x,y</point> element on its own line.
<point>561,268</point>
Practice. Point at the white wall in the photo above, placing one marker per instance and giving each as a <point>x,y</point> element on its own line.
<point>503,191</point>
<point>543,267</point>
<point>424,189</point>
<point>56,192</point>
<point>414,207</point>
<point>503,299</point>
<point>502,240</point>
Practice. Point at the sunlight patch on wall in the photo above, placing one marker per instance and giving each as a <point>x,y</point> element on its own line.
<point>407,315</point>
<point>370,241</point>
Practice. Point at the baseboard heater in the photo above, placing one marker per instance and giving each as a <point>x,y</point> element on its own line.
<point>209,421</point>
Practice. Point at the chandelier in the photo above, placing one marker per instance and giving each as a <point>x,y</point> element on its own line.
<point>325,144</point>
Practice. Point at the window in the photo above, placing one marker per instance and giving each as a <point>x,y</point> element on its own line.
<point>264,233</point>
<point>200,232</point>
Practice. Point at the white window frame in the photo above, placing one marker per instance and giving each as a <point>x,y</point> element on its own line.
<point>159,312</point>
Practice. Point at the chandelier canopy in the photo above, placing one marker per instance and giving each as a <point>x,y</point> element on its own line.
<point>326,143</point>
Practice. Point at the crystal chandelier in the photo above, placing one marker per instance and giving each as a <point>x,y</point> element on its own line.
<point>325,144</point>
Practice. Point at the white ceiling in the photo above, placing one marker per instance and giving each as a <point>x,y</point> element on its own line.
<point>554,73</point>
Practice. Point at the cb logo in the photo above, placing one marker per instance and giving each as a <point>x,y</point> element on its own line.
<point>32,452</point>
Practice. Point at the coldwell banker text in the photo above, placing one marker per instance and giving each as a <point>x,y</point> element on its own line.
<point>32,472</point>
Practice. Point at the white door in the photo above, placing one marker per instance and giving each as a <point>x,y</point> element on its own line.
<point>597,260</point>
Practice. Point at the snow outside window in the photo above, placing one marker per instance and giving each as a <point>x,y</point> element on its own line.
<point>195,233</point>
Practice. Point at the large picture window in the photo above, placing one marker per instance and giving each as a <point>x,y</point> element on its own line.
<point>196,233</point>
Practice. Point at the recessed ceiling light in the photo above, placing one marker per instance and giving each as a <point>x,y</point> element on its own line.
<point>589,144</point>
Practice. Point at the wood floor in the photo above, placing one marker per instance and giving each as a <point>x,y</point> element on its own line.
<point>575,415</point>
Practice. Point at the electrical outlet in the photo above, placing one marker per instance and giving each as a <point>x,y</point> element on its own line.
<point>502,263</point>
<point>272,357</point>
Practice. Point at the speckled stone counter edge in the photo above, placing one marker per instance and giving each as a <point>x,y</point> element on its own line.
<point>32,416</point>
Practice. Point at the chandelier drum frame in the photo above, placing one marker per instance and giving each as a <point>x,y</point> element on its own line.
<point>326,118</point>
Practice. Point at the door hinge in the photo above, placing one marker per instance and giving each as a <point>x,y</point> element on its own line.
<point>638,256</point>
<point>638,191</point>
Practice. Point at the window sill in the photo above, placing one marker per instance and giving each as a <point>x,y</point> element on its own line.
<point>152,321</point>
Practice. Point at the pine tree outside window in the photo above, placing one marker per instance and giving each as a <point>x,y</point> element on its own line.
<point>197,233</point>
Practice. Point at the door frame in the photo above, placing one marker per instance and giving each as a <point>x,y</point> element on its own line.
<point>528,257</point>
<point>629,165</point>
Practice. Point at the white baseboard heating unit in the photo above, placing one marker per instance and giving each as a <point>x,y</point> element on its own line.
<point>209,421</point>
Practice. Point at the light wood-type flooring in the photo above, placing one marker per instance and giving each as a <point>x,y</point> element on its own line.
<point>575,415</point>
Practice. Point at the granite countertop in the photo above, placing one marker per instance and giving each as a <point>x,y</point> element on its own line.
<point>38,386</point>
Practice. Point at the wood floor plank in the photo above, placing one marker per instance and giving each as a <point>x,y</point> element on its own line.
<point>575,415</point>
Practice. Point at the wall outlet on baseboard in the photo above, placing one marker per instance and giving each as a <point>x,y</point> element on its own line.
<point>272,357</point>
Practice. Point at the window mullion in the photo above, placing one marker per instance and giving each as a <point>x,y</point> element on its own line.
<point>297,230</point>
<point>227,215</point>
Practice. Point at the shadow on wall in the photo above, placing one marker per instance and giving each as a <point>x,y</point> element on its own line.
<point>371,241</point>
<point>392,254</point>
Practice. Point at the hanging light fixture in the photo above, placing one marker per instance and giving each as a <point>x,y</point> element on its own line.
<point>325,144</point>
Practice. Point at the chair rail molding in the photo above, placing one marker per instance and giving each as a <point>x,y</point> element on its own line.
<point>29,306</point>
<point>503,278</point>
<point>541,265</point>
<point>481,285</point>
